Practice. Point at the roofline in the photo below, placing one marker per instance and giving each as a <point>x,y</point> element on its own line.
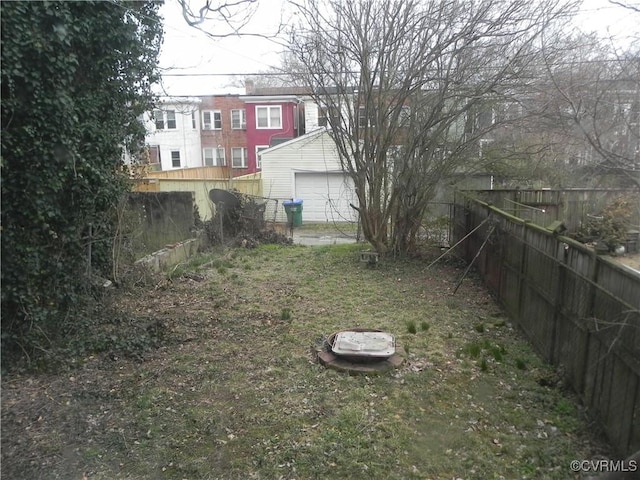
<point>170,100</point>
<point>269,98</point>
<point>306,136</point>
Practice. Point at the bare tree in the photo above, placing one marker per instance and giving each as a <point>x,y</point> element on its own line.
<point>600,98</point>
<point>536,142</point>
<point>410,87</point>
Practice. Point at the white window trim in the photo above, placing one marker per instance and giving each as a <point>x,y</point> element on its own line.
<point>179,158</point>
<point>323,116</point>
<point>269,126</point>
<point>157,149</point>
<point>245,159</point>
<point>258,159</point>
<point>328,116</point>
<point>166,120</point>
<point>483,144</point>
<point>158,113</point>
<point>223,158</point>
<point>214,155</point>
<point>213,120</point>
<point>243,119</point>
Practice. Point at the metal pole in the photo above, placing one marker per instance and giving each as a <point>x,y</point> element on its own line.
<point>221,214</point>
<point>474,259</point>
<point>459,242</point>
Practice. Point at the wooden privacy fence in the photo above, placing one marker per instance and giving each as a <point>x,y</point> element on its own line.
<point>573,206</point>
<point>248,184</point>
<point>580,311</point>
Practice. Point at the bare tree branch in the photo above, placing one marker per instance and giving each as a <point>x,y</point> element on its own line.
<point>229,17</point>
<point>627,5</point>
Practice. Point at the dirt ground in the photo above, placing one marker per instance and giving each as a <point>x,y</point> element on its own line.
<point>631,260</point>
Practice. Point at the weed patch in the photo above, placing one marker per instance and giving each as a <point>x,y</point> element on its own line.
<point>411,327</point>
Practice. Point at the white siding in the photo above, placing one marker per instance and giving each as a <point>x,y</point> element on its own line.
<point>184,138</point>
<point>313,152</point>
<point>310,115</point>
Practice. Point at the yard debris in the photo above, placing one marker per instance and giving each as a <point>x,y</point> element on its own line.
<point>240,221</point>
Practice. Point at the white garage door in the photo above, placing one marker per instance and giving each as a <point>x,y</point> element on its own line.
<point>326,197</point>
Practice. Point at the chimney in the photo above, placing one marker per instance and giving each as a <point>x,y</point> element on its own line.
<point>248,86</point>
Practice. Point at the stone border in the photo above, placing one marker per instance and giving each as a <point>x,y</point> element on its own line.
<point>171,255</point>
<point>330,360</point>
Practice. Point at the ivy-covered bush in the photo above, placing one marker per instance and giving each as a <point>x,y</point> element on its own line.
<point>76,77</point>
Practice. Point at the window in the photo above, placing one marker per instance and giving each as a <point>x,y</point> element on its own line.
<point>220,157</point>
<point>260,148</point>
<point>323,114</point>
<point>327,116</point>
<point>154,154</point>
<point>269,117</point>
<point>158,118</point>
<point>363,121</point>
<point>175,159</point>
<point>164,119</point>
<point>511,111</point>
<point>485,118</point>
<point>239,157</point>
<point>213,157</point>
<point>212,120</point>
<point>194,125</point>
<point>171,119</point>
<point>485,144</point>
<point>238,119</point>
<point>404,116</point>
<point>395,157</point>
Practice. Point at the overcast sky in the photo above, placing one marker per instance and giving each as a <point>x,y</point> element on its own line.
<point>187,51</point>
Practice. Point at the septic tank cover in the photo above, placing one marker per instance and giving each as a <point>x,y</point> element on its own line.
<point>361,350</point>
<point>366,344</point>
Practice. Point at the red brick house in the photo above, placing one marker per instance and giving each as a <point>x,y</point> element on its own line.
<point>223,133</point>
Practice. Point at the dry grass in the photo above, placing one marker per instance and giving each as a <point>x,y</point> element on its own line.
<point>235,393</point>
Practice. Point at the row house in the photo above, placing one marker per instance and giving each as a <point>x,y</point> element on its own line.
<point>223,133</point>
<point>229,131</point>
<point>226,131</point>
<point>173,134</point>
<point>271,120</point>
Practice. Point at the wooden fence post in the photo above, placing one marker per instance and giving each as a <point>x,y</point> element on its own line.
<point>557,307</point>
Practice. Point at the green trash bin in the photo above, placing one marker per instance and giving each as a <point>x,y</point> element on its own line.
<point>293,209</point>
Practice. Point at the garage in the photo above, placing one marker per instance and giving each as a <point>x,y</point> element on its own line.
<point>309,168</point>
<point>327,196</point>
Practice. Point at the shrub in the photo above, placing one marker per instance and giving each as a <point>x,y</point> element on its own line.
<point>610,225</point>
